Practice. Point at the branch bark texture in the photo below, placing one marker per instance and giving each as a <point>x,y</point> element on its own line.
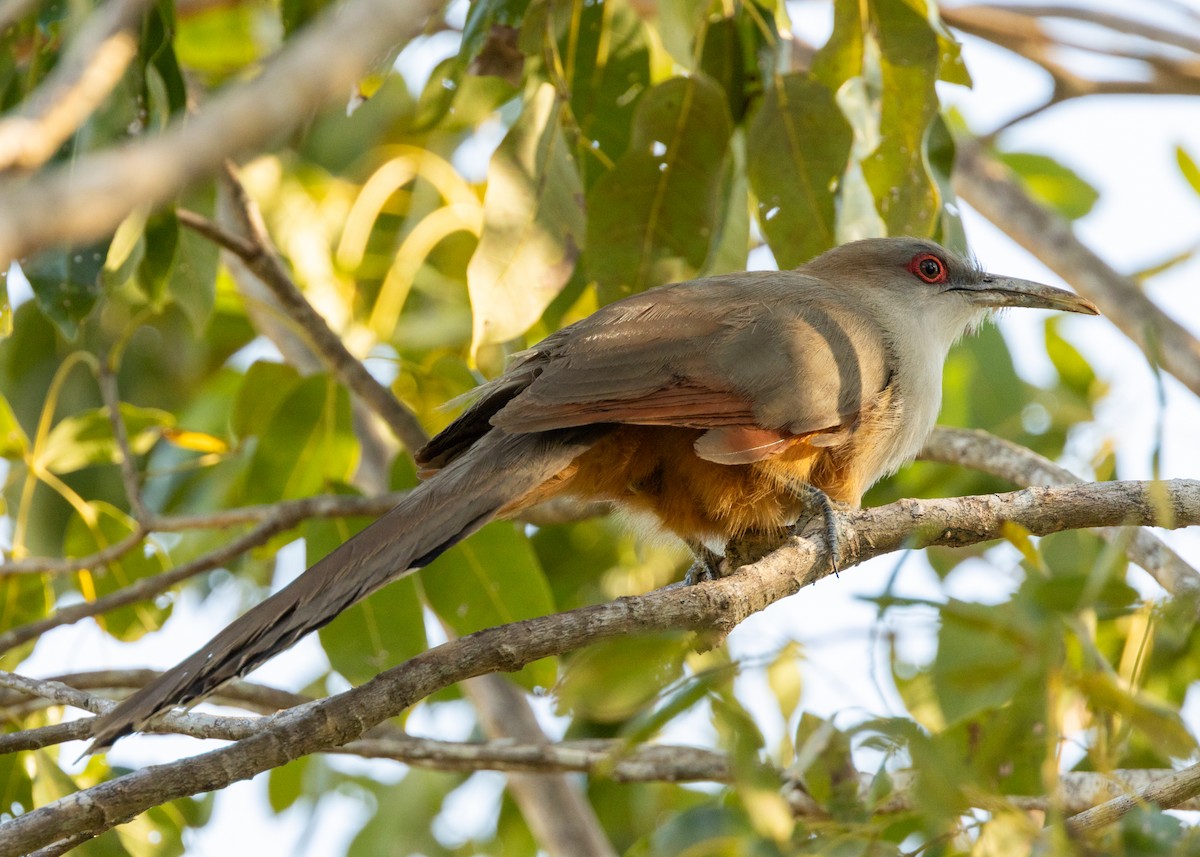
<point>711,609</point>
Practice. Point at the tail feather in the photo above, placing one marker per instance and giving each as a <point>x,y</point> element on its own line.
<point>499,469</point>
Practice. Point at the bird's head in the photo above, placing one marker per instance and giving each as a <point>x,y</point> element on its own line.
<point>935,288</point>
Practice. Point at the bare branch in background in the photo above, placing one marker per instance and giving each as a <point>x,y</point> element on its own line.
<point>90,67</point>
<point>1167,792</point>
<point>1022,30</point>
<point>89,198</point>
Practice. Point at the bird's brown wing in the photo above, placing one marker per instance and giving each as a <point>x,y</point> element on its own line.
<point>758,359</point>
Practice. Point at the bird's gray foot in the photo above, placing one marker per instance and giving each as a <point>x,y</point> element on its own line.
<point>706,565</point>
<point>817,500</point>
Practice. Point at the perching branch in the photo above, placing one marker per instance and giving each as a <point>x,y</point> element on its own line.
<point>982,451</point>
<point>711,609</point>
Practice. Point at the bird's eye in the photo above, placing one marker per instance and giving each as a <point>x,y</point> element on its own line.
<point>929,268</point>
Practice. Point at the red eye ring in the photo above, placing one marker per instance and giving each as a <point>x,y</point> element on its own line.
<point>928,268</point>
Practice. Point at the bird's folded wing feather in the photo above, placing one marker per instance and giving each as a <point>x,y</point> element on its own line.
<point>746,356</point>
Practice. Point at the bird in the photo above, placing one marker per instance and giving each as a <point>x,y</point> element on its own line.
<point>721,407</point>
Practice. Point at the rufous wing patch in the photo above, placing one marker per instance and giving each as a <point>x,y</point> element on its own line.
<point>741,444</point>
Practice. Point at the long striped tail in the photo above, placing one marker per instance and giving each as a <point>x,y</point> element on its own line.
<point>499,469</point>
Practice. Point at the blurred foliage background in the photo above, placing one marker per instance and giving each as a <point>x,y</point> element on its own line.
<point>567,153</point>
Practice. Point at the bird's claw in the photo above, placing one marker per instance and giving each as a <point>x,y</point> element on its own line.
<point>817,498</point>
<point>706,565</point>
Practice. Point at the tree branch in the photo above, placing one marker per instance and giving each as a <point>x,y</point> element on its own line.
<point>90,67</point>
<point>256,253</point>
<point>987,453</point>
<point>88,198</point>
<point>1167,792</point>
<point>708,608</point>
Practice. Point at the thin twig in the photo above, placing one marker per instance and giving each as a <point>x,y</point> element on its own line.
<point>126,462</point>
<point>255,251</point>
<point>147,587</point>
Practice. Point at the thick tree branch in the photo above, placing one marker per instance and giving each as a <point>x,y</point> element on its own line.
<point>88,198</point>
<point>987,453</point>
<point>710,608</point>
<point>991,189</point>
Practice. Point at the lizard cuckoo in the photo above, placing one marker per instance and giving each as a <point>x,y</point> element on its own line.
<point>724,406</point>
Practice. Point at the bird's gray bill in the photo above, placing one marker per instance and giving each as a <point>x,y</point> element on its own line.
<point>994,291</point>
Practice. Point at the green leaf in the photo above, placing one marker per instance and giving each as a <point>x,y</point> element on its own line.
<point>1147,831</point>
<point>406,826</point>
<point>295,14</point>
<point>653,218</point>
<point>797,149</point>
<point>738,54</point>
<point>705,831</point>
<point>192,285</point>
<point>841,57</point>
<point>490,579</point>
<point>1161,726</point>
<point>157,52</point>
<point>985,653</point>
<point>1050,182</point>
<point>905,193</point>
<point>940,146</point>
<point>616,679</point>
<point>86,438</point>
<point>66,283</point>
<point>533,224</point>
<point>607,51</point>
<point>220,41</point>
<point>6,309</point>
<point>824,762</point>
<point>308,444</point>
<point>285,784</point>
<point>162,241</point>
<point>1074,370</point>
<point>1187,166</point>
<point>13,440</point>
<point>264,388</point>
<point>109,527</point>
<point>16,783</point>
<point>482,16</point>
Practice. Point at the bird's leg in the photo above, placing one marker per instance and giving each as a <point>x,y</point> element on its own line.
<point>816,500</point>
<point>706,563</point>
